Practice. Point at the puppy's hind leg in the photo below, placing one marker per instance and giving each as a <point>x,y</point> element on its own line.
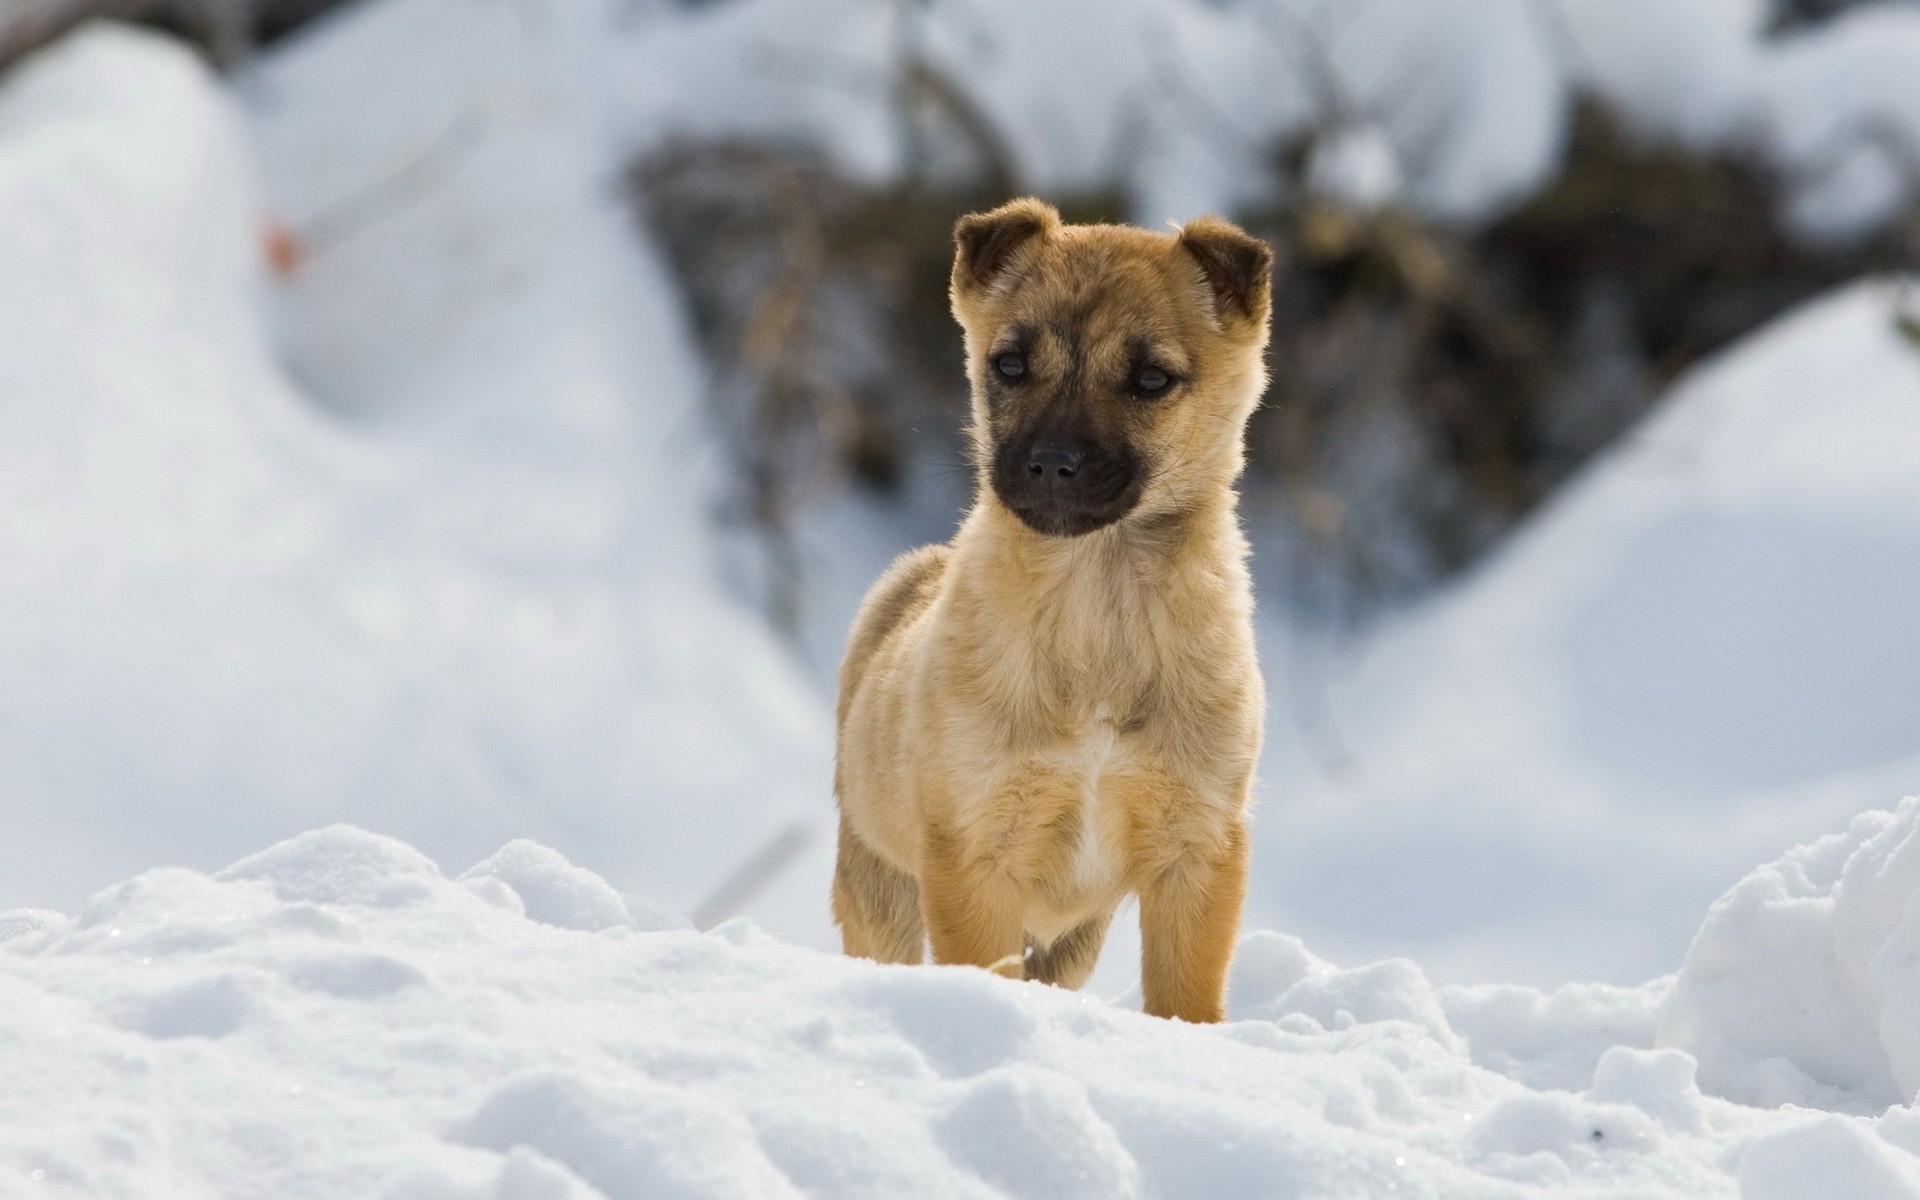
<point>1071,958</point>
<point>876,906</point>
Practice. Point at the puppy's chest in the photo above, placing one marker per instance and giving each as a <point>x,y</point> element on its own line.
<point>1059,813</point>
<point>1075,736</point>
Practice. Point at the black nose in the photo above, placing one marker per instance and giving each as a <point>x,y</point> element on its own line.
<point>1053,462</point>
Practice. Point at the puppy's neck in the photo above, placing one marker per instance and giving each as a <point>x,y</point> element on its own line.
<point>1138,551</point>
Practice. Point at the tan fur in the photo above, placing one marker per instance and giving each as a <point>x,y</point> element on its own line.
<point>1032,726</point>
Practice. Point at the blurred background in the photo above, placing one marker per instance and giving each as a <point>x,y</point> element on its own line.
<point>476,419</point>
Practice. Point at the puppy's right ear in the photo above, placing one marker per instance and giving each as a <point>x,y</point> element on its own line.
<point>984,243</point>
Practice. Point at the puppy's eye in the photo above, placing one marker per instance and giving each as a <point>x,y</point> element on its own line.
<point>1010,365</point>
<point>1151,381</point>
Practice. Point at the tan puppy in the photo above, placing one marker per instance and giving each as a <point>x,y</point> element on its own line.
<point>1062,705</point>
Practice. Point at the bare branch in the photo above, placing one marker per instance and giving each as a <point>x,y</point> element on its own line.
<point>738,890</point>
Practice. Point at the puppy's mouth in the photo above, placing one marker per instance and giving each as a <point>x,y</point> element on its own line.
<point>1067,491</point>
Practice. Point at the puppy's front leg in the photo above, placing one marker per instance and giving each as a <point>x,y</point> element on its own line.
<point>971,911</point>
<point>1189,921</point>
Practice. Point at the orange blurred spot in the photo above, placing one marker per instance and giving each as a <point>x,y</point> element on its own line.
<point>282,247</point>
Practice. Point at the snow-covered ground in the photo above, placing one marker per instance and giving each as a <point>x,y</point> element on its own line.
<point>335,1017</point>
<point>416,539</point>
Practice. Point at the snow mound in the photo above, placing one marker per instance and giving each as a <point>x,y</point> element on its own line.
<point>230,613</point>
<point>340,865</point>
<point>551,889</point>
<point>1826,1156</point>
<point>333,1016</point>
<point>1701,652</point>
<point>1804,982</point>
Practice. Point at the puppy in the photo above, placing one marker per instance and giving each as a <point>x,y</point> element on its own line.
<point>1062,705</point>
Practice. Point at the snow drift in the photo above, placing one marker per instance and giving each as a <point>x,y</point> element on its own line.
<point>1700,652</point>
<point>333,1016</point>
<point>228,616</point>
<point>1804,983</point>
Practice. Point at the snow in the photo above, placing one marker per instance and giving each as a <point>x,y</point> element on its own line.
<point>1674,69</point>
<point>480,609</point>
<point>1831,928</point>
<point>1825,1157</point>
<point>1700,654</point>
<point>1462,101</point>
<point>1355,166</point>
<point>1834,110</point>
<point>333,1016</point>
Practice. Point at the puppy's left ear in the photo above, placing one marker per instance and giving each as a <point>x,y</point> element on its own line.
<point>1238,267</point>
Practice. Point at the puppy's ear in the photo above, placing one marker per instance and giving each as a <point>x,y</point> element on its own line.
<point>984,242</point>
<point>1238,267</point>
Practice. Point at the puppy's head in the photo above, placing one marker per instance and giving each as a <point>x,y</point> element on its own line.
<point>1113,368</point>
